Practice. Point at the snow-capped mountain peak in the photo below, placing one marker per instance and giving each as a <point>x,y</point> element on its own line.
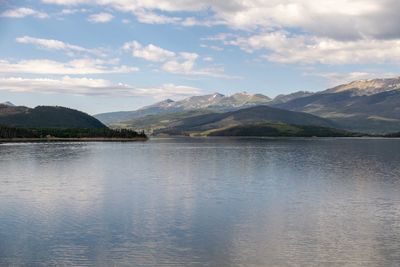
<point>368,87</point>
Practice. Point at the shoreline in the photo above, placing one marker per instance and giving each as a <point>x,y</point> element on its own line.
<point>270,137</point>
<point>142,139</point>
<point>84,139</point>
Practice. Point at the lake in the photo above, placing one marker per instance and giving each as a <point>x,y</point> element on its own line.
<point>201,202</point>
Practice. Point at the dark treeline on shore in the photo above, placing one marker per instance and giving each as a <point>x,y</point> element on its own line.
<point>11,132</point>
<point>393,135</point>
<point>76,133</point>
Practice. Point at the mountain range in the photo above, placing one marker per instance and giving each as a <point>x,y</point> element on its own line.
<point>368,106</point>
<point>212,102</point>
<point>371,106</point>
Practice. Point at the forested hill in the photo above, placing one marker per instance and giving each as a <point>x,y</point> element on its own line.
<point>46,117</point>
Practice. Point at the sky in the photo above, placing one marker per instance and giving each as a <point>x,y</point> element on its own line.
<point>110,55</point>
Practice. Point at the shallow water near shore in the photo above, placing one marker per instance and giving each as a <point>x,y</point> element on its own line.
<point>201,202</point>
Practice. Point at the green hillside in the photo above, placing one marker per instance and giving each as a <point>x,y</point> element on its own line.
<point>248,116</point>
<point>46,117</point>
<point>279,130</point>
<point>158,121</point>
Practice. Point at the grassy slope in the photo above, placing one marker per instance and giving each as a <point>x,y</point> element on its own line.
<point>278,130</point>
<point>152,122</point>
<point>249,116</point>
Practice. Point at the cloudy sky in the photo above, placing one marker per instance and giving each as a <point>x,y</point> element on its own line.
<point>108,55</point>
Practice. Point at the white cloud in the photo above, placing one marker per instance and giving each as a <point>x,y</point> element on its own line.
<point>100,18</point>
<point>150,52</point>
<point>86,86</point>
<point>69,11</point>
<point>150,17</point>
<point>213,47</point>
<point>130,6</point>
<point>77,67</point>
<point>23,12</point>
<point>178,63</point>
<point>147,11</point>
<point>338,19</point>
<point>50,44</point>
<point>283,47</point>
<point>185,63</point>
<point>328,32</point>
<point>68,2</point>
<point>154,18</point>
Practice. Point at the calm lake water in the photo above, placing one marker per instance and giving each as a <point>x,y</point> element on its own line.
<point>201,202</point>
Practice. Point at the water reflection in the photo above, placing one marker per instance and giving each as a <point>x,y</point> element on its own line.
<point>201,202</point>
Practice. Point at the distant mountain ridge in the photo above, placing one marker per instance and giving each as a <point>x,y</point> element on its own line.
<point>213,102</point>
<point>367,87</point>
<point>371,106</point>
<point>368,105</point>
<point>285,98</point>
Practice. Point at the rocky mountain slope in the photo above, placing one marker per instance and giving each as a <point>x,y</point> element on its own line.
<point>367,87</point>
<point>368,106</point>
<point>212,102</point>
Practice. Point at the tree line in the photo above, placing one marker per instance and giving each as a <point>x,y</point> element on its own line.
<point>12,132</point>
